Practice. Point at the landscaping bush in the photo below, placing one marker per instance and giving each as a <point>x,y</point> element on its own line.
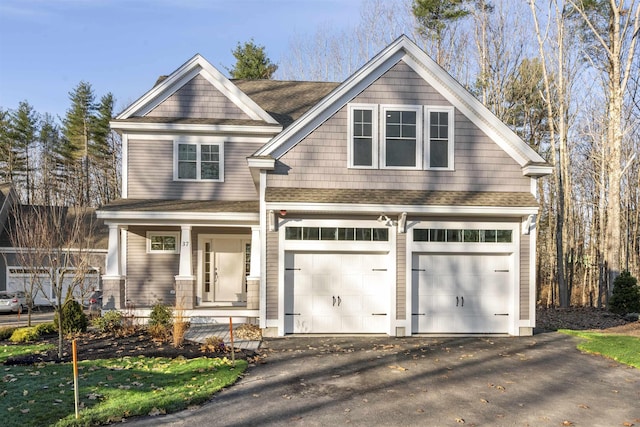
<point>73,317</point>
<point>27,334</point>
<point>626,295</point>
<point>109,322</point>
<point>159,332</point>
<point>46,328</point>
<point>6,332</point>
<point>161,315</point>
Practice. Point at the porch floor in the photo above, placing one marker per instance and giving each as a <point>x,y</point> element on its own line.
<point>199,332</point>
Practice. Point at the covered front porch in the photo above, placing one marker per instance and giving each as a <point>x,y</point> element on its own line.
<point>200,257</point>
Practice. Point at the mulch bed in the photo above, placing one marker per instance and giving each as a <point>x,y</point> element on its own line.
<point>91,346</point>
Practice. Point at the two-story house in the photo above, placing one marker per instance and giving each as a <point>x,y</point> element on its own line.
<point>394,202</point>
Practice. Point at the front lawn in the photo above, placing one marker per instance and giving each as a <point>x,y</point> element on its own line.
<point>621,348</point>
<point>110,389</point>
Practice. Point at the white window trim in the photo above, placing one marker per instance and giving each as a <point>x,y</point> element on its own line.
<point>175,234</point>
<point>198,141</point>
<point>427,139</point>
<point>419,141</point>
<point>374,134</point>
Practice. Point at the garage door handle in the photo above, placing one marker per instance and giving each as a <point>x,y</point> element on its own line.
<point>339,301</point>
<point>378,269</point>
<point>334,301</point>
<point>292,314</point>
<point>378,314</point>
<point>501,271</point>
<point>462,299</point>
<point>292,269</point>
<point>457,301</point>
<point>500,314</point>
<point>418,269</point>
<point>418,314</point>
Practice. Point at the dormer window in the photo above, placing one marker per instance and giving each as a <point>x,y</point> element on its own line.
<point>198,159</point>
<point>409,137</point>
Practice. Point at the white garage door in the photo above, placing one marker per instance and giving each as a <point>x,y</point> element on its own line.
<point>336,293</point>
<point>461,293</point>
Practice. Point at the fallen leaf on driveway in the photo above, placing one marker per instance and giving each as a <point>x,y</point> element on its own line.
<point>399,368</point>
<point>460,420</point>
<point>627,424</point>
<point>583,406</point>
<point>567,423</point>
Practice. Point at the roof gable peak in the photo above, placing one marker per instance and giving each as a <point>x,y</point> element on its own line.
<point>197,65</point>
<point>404,49</point>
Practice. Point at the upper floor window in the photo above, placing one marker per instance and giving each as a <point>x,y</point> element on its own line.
<point>399,142</point>
<point>439,154</point>
<point>363,146</point>
<point>196,159</point>
<point>402,142</point>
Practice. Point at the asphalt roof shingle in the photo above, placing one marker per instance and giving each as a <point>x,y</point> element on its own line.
<point>404,197</point>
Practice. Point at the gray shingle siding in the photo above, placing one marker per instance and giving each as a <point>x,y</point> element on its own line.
<point>320,160</point>
<point>150,277</point>
<point>199,99</point>
<point>153,176</point>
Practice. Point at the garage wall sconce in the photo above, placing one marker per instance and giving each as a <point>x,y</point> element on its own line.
<point>387,221</point>
<point>401,222</point>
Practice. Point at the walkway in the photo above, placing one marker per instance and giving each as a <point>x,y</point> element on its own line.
<point>200,330</point>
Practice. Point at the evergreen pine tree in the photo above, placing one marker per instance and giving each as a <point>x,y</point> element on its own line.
<point>23,130</point>
<point>77,126</point>
<point>251,62</point>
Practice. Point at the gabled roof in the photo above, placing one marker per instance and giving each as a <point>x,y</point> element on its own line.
<point>197,65</point>
<point>403,49</point>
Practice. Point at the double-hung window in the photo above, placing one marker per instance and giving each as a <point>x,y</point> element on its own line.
<point>408,137</point>
<point>439,140</point>
<point>402,142</point>
<point>363,138</point>
<point>198,159</point>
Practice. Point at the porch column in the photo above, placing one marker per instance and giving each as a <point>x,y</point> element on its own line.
<point>113,282</point>
<point>185,295</point>
<point>253,280</point>
<point>112,267</point>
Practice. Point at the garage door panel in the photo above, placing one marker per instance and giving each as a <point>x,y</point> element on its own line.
<point>461,293</point>
<point>336,293</point>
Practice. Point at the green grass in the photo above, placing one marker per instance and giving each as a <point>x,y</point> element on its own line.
<point>621,348</point>
<point>109,389</point>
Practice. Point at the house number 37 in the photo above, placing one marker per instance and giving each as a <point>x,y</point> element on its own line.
<point>184,244</point>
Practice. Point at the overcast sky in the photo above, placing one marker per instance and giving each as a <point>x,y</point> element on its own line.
<point>121,46</point>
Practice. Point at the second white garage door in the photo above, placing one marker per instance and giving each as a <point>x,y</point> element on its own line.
<point>336,293</point>
<point>461,293</point>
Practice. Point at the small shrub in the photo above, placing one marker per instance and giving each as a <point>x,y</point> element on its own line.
<point>73,317</point>
<point>161,315</point>
<point>109,322</point>
<point>6,332</point>
<point>214,345</point>
<point>46,328</point>
<point>27,334</point>
<point>159,332</point>
<point>626,295</point>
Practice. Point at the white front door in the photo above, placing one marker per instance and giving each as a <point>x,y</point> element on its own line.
<point>461,293</point>
<point>336,293</point>
<point>225,269</point>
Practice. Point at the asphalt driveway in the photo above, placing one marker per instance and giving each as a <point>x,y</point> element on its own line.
<point>369,381</point>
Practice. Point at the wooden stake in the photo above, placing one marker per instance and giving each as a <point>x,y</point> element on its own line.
<point>233,353</point>
<point>75,376</point>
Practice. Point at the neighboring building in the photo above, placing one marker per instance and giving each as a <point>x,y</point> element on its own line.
<point>394,202</point>
<point>16,276</point>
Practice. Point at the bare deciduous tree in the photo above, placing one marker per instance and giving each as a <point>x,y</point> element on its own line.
<point>54,244</point>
